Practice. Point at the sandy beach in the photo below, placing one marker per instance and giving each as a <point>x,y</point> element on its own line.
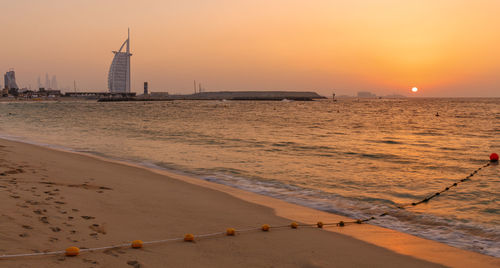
<point>52,200</point>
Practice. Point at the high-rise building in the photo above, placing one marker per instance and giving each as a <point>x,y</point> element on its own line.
<point>119,71</point>
<point>53,83</point>
<point>39,83</point>
<point>10,80</point>
<point>47,81</point>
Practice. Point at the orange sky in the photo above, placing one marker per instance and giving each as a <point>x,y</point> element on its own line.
<point>444,47</point>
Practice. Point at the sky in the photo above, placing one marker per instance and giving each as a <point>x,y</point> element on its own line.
<point>446,48</point>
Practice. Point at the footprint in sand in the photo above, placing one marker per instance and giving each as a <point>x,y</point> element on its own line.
<point>27,227</point>
<point>134,264</point>
<point>111,252</point>
<point>14,171</point>
<point>71,240</point>
<point>44,220</point>
<point>38,212</point>
<point>101,229</point>
<point>90,261</point>
<point>88,217</point>
<point>55,229</point>
<point>49,193</point>
<point>23,235</point>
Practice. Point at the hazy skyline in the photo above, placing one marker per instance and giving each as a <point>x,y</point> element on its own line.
<point>445,48</point>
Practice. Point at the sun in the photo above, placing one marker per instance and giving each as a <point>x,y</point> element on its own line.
<point>414,89</point>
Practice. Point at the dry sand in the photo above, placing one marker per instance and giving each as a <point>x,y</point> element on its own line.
<point>52,200</point>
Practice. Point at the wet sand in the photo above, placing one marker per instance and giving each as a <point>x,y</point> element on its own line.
<point>52,200</point>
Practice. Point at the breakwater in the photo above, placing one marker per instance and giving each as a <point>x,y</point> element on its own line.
<point>223,95</point>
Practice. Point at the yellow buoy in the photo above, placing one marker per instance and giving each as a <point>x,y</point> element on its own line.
<point>265,227</point>
<point>294,225</point>
<point>72,251</point>
<point>189,238</point>
<point>137,244</point>
<point>230,231</point>
<point>320,224</point>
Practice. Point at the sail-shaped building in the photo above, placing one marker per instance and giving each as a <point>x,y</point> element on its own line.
<point>119,71</point>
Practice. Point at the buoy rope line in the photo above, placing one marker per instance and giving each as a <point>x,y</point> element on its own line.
<point>74,251</point>
<point>425,200</point>
<point>493,159</point>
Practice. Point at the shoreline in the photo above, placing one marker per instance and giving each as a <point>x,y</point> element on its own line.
<point>394,241</point>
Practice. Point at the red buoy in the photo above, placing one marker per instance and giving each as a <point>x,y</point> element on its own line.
<point>494,157</point>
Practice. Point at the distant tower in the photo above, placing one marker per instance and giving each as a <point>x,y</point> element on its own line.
<point>53,84</point>
<point>10,80</point>
<point>119,71</point>
<point>145,88</point>
<point>39,83</point>
<point>47,81</point>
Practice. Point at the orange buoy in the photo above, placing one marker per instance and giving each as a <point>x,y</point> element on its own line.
<point>137,244</point>
<point>189,238</point>
<point>294,225</point>
<point>72,251</point>
<point>265,227</point>
<point>494,157</point>
<point>230,231</point>
<point>320,224</point>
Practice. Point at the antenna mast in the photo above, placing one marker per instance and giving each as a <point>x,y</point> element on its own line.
<point>128,41</point>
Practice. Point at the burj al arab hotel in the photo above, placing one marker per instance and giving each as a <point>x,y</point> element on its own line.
<point>119,71</point>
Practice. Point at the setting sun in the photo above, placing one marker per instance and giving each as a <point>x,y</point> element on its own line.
<point>414,89</point>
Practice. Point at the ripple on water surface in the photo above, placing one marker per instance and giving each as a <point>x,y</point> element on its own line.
<point>354,158</point>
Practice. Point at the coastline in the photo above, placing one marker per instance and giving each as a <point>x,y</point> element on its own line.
<point>134,197</point>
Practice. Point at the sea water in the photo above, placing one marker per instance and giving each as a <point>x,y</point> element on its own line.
<point>354,157</point>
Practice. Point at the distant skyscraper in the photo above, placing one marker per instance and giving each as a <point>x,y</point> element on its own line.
<point>10,80</point>
<point>119,71</point>
<point>53,84</point>
<point>39,83</point>
<point>47,81</point>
